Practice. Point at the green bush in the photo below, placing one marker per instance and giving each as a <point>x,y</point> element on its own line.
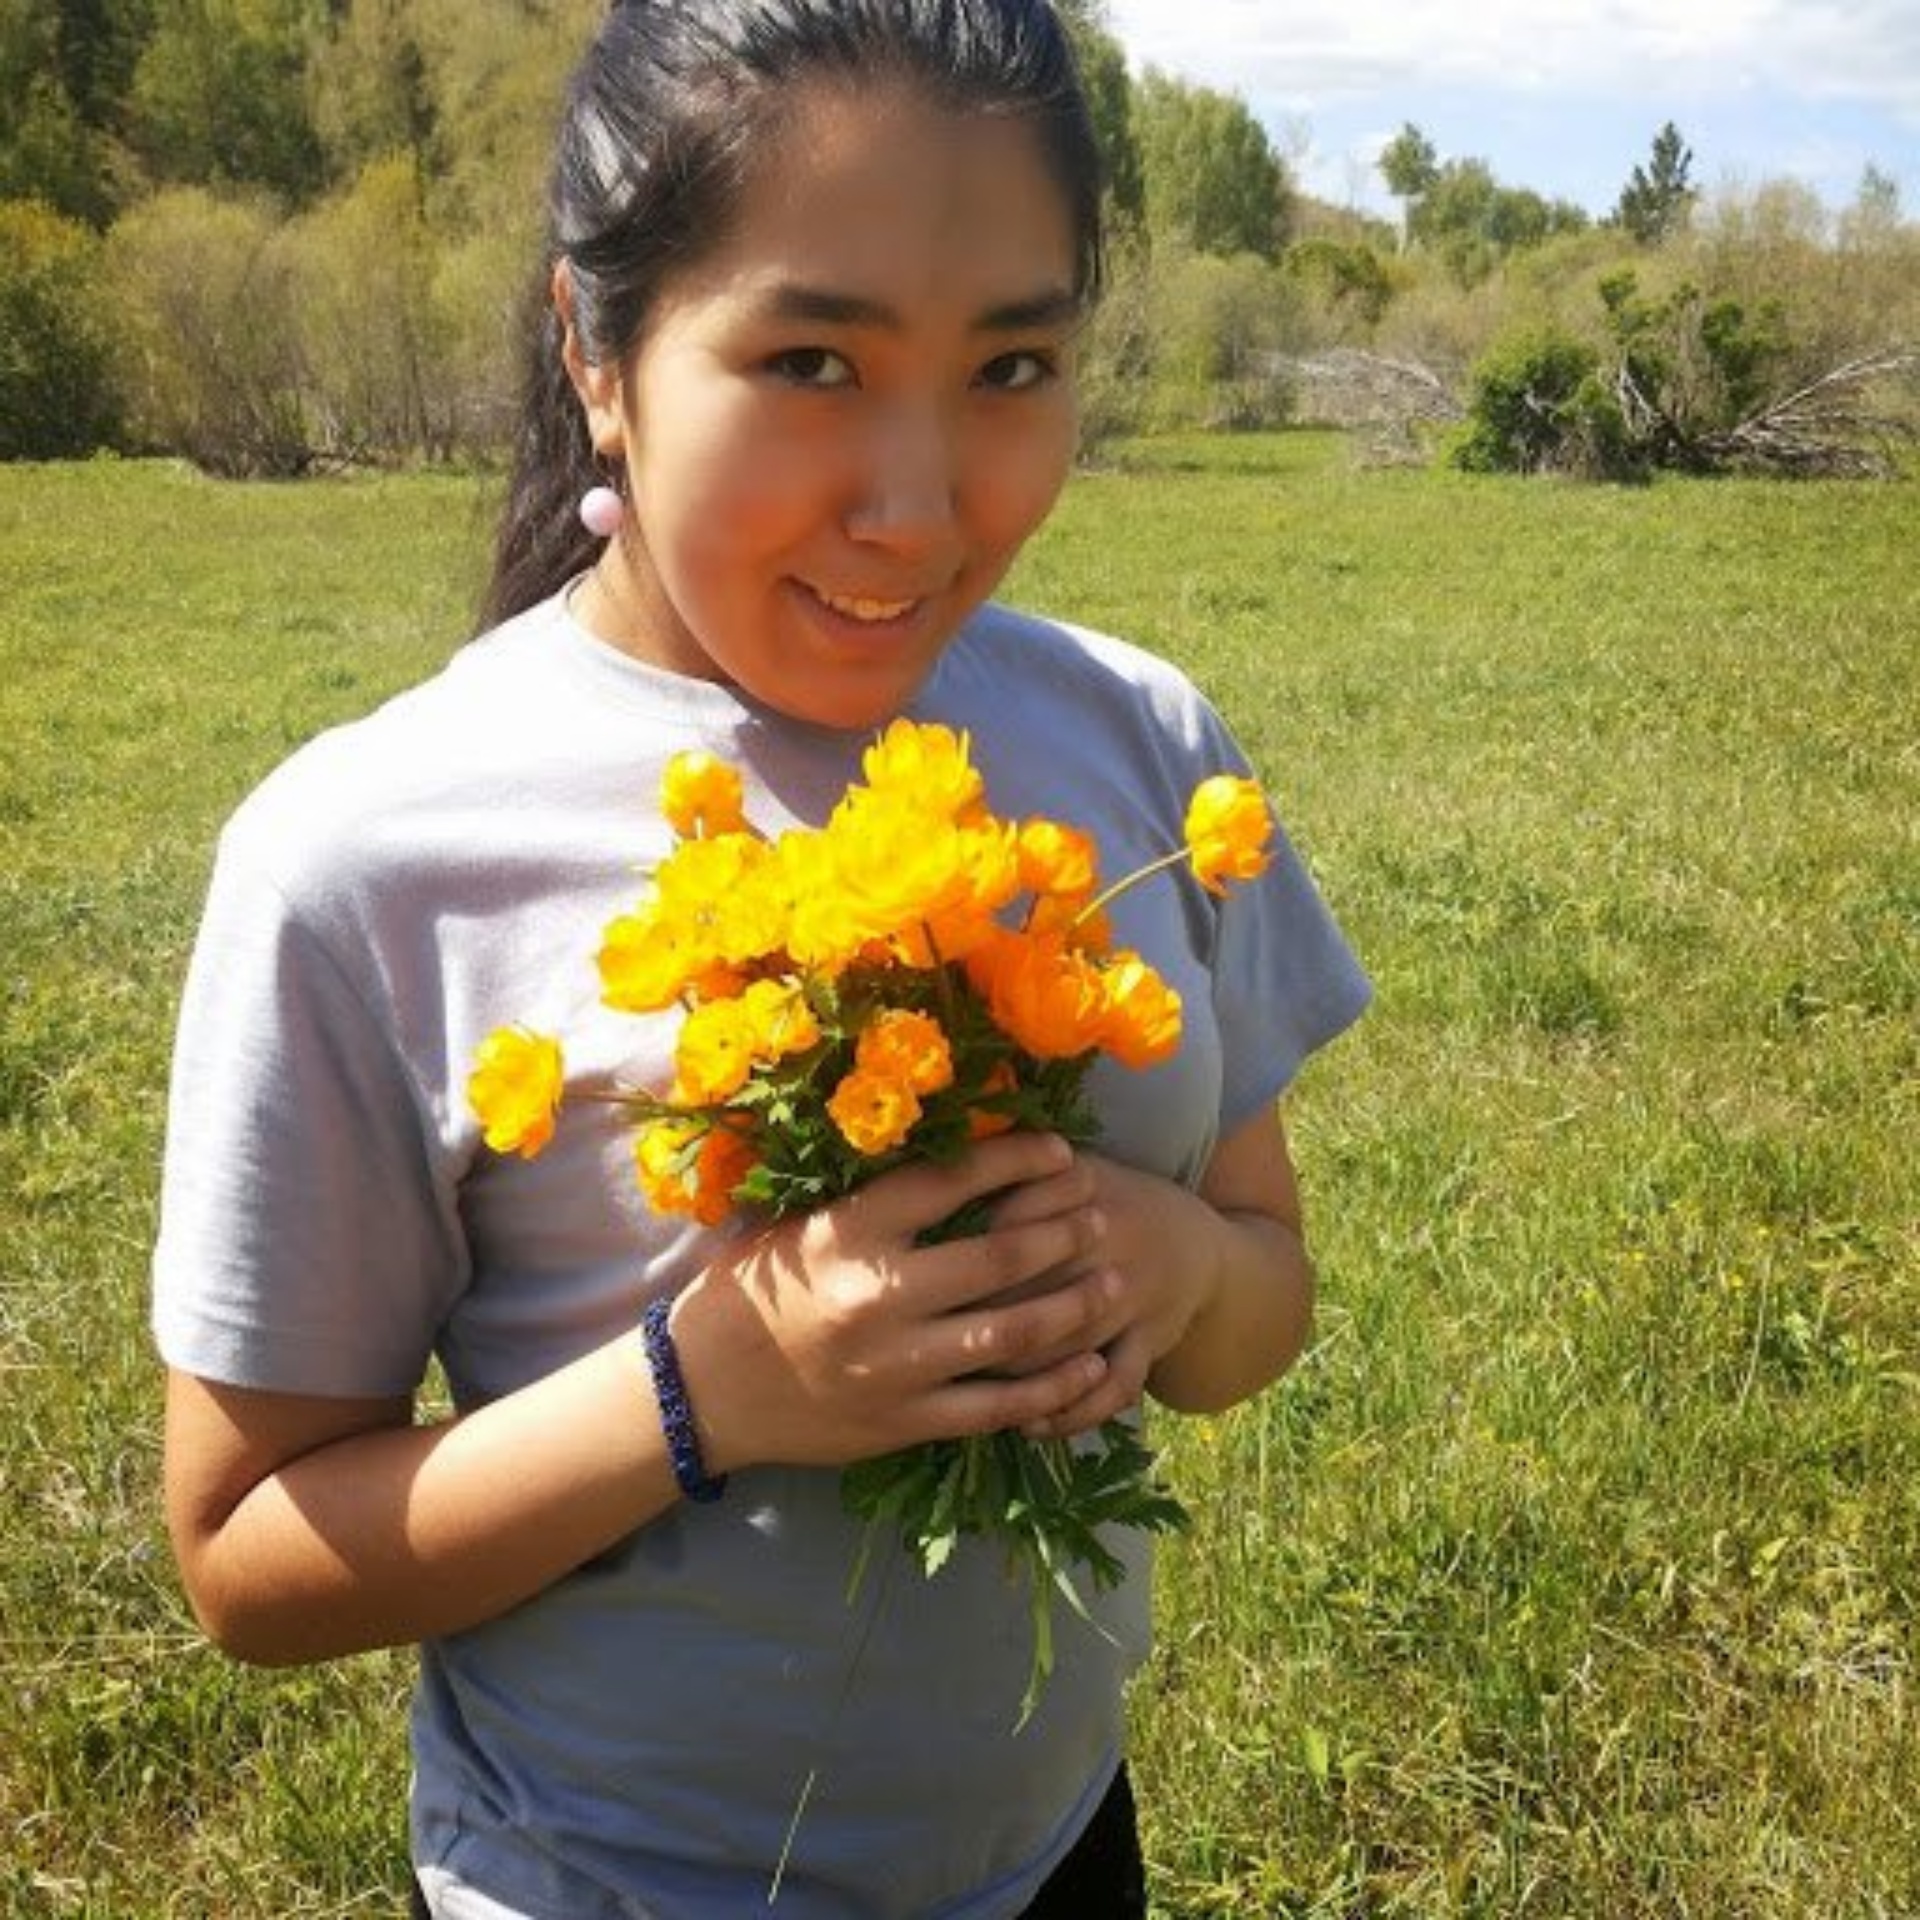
<point>1537,404</point>
<point>365,263</point>
<point>1219,328</point>
<point>213,360</point>
<point>56,396</point>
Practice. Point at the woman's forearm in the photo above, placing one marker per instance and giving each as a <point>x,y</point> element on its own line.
<point>1254,1323</point>
<point>395,1533</point>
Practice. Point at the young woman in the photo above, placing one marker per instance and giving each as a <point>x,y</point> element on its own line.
<point>817,271</point>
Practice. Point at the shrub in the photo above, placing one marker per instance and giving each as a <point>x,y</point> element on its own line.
<point>365,265</point>
<point>213,359</point>
<point>56,398</point>
<point>1219,329</point>
<point>1686,382</point>
<point>1538,403</point>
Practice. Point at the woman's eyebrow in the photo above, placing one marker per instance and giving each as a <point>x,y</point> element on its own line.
<point>821,306</point>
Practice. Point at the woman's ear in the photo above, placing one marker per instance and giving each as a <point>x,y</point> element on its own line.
<point>597,384</point>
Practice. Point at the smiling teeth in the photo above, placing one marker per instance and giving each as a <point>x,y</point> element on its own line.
<point>856,608</point>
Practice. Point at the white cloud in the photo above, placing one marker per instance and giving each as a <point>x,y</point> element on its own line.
<point>1313,52</point>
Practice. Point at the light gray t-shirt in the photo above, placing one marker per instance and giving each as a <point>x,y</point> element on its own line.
<point>632,1742</point>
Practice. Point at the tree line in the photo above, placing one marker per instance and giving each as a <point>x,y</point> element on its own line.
<point>270,235</point>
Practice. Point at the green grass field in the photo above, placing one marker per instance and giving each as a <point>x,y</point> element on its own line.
<point>1576,1570</point>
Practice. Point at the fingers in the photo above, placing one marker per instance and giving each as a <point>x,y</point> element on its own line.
<point>1029,1402</point>
<point>913,1198</point>
<point>1119,1385</point>
<point>1075,1186</point>
<point>1029,1335</point>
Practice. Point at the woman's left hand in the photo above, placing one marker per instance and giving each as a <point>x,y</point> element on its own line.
<point>1211,1289</point>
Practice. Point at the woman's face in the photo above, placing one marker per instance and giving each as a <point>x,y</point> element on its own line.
<point>841,424</point>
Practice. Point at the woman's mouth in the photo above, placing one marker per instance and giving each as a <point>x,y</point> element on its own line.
<point>863,608</point>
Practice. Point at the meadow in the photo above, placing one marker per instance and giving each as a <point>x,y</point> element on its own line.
<point>1575,1571</point>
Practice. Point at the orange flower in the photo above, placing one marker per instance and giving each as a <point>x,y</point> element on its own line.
<point>686,1168</point>
<point>1227,830</point>
<point>1142,1022</point>
<point>983,1121</point>
<point>899,1044</point>
<point>726,1158</point>
<point>514,1089</point>
<point>1074,919</point>
<point>1057,860</point>
<point>874,1111</point>
<point>664,1156</point>
<point>1042,993</point>
<point>701,796</point>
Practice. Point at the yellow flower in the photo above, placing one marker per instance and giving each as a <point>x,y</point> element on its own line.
<point>701,796</point>
<point>1227,830</point>
<point>929,765</point>
<point>666,1160</point>
<point>781,1021</point>
<point>899,1044</point>
<point>714,1053</point>
<point>1141,1026</point>
<point>820,935</point>
<point>648,958</point>
<point>514,1089</point>
<point>897,866</point>
<point>874,1111</point>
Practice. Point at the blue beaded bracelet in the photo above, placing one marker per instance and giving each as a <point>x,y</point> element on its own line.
<point>676,1413</point>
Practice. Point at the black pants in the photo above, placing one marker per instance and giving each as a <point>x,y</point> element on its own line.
<point>1103,1878</point>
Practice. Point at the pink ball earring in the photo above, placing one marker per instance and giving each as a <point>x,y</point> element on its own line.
<point>601,512</point>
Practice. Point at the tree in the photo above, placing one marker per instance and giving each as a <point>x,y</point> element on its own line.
<point>47,152</point>
<point>219,97</point>
<point>56,353</point>
<point>370,87</point>
<point>1473,222</point>
<point>1409,164</point>
<point>1213,181</point>
<point>1109,90</point>
<point>1658,197</point>
<point>1874,219</point>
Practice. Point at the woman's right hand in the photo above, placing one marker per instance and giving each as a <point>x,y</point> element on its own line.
<point>836,1336</point>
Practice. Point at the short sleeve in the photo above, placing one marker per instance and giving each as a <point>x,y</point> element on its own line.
<point>1285,983</point>
<point>1285,979</point>
<point>306,1244</point>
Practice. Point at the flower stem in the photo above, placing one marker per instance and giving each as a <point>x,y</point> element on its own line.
<point>1132,879</point>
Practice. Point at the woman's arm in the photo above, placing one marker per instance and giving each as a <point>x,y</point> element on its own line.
<point>307,1528</point>
<point>1249,1282</point>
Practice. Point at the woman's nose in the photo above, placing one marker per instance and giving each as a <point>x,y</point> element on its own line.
<point>909,484</point>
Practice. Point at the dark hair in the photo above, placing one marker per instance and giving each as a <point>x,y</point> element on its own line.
<point>663,120</point>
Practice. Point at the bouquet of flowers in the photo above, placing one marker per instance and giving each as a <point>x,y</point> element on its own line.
<point>911,977</point>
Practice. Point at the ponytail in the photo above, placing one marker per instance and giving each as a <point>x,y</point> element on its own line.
<point>540,544</point>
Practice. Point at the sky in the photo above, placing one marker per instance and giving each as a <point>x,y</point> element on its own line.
<point>1562,97</point>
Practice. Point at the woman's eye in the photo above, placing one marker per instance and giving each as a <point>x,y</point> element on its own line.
<point>1014,372</point>
<point>812,367</point>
